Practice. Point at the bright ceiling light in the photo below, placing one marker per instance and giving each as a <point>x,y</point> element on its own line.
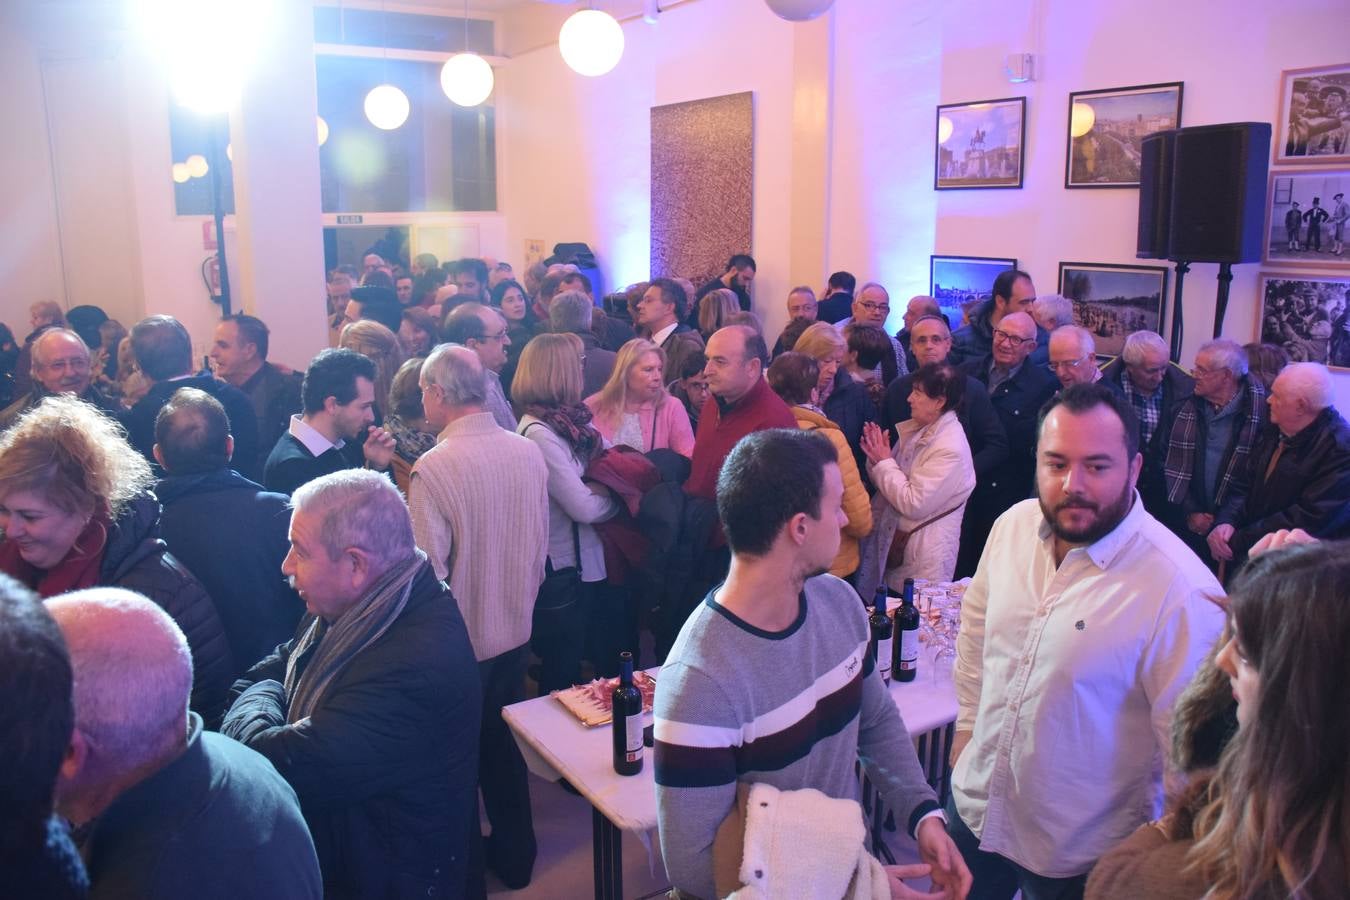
<point>799,10</point>
<point>181,173</point>
<point>591,42</point>
<point>323,130</point>
<point>466,79</point>
<point>205,47</point>
<point>1081,119</point>
<point>196,165</point>
<point>387,107</point>
<point>945,127</point>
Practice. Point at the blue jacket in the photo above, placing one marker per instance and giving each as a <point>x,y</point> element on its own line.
<point>977,339</point>
<point>232,535</point>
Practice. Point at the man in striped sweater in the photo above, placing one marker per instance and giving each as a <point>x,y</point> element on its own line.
<point>770,680</point>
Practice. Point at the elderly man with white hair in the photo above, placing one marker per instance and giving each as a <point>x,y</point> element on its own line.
<point>1145,376</point>
<point>571,312</point>
<point>60,365</point>
<point>1298,473</point>
<point>371,711</point>
<point>1073,356</point>
<point>1052,311</point>
<point>167,809</point>
<point>1214,432</point>
<point>479,502</point>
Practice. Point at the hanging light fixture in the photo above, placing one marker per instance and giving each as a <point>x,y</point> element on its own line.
<point>196,165</point>
<point>466,77</point>
<point>386,105</point>
<point>181,175</point>
<point>591,42</point>
<point>323,130</point>
<point>1081,119</point>
<point>945,127</point>
<point>799,10</point>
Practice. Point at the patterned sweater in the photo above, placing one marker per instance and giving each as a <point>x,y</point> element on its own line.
<point>794,709</point>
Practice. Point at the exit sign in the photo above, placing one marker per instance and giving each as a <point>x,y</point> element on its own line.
<point>349,220</point>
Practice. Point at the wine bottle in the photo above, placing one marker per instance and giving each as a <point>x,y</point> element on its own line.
<point>906,665</point>
<point>882,629</point>
<point>627,720</point>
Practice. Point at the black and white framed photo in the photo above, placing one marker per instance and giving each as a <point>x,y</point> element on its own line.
<point>1113,301</point>
<point>1107,129</point>
<point>980,145</point>
<point>1313,120</point>
<point>1306,315</point>
<point>1307,217</point>
<point>954,281</point>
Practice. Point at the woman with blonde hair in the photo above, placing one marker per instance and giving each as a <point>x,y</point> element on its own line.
<point>793,377</point>
<point>76,512</point>
<point>547,394</point>
<point>844,400</point>
<point>381,346</point>
<point>714,308</point>
<point>634,407</point>
<point>1273,819</point>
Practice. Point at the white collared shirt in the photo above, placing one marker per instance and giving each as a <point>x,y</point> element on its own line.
<point>312,438</point>
<point>1067,677</point>
<point>659,337</point>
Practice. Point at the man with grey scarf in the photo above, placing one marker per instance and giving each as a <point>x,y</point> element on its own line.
<point>371,711</point>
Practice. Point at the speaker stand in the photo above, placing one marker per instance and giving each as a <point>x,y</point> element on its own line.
<point>1221,302</point>
<point>1177,320</point>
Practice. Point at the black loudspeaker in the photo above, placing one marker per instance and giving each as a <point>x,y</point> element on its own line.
<point>1155,194</point>
<point>1218,192</point>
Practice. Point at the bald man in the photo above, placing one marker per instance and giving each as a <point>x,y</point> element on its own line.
<point>1018,388</point>
<point>1298,473</point>
<point>917,308</point>
<point>1073,356</point>
<point>60,365</point>
<point>170,809</point>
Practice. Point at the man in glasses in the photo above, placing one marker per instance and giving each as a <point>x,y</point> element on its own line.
<point>1018,388</point>
<point>61,365</point>
<point>1073,356</point>
<point>483,330</point>
<point>1144,375</point>
<point>871,307</point>
<point>1012,292</point>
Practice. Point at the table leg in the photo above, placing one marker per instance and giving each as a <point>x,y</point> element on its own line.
<point>607,856</point>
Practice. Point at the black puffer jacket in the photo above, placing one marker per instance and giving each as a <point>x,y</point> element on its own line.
<point>137,560</point>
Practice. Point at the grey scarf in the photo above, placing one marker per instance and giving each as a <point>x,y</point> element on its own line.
<point>338,643</point>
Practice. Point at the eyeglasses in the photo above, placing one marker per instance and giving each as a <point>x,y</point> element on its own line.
<point>1070,365</point>
<point>874,307</point>
<point>1201,371</point>
<point>495,337</point>
<point>1009,338</point>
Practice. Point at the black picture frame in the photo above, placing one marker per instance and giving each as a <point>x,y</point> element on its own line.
<point>972,279</point>
<point>1111,318</point>
<point>1117,146</point>
<point>972,121</point>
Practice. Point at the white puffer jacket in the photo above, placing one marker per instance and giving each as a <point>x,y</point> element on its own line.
<point>929,472</point>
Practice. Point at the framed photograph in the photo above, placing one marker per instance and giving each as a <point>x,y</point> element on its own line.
<point>954,281</point>
<point>981,145</point>
<point>1313,121</point>
<point>1307,217</point>
<point>1114,301</point>
<point>1306,315</point>
<point>1107,129</point>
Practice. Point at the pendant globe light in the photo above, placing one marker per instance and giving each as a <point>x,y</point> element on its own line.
<point>591,42</point>
<point>386,105</point>
<point>466,77</point>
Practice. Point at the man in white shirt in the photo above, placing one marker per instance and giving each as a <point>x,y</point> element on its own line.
<point>1085,619</point>
<point>660,314</point>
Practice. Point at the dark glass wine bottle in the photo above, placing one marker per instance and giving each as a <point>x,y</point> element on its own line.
<point>882,631</point>
<point>627,722</point>
<point>906,665</point>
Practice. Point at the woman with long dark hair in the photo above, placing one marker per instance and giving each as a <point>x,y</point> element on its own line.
<point>514,304</point>
<point>1272,820</point>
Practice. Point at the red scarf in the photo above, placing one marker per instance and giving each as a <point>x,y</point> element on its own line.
<point>78,570</point>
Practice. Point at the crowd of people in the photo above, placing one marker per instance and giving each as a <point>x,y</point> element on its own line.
<point>284,610</point>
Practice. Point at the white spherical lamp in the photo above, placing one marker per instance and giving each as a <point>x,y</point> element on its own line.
<point>591,42</point>
<point>323,130</point>
<point>945,127</point>
<point>229,152</point>
<point>1081,119</point>
<point>181,173</point>
<point>466,79</point>
<point>799,10</point>
<point>196,165</point>
<point>387,107</point>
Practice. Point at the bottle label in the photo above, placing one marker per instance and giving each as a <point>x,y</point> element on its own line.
<point>884,658</point>
<point>632,726</point>
<point>909,650</point>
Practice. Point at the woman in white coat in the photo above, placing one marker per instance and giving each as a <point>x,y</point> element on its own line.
<point>923,485</point>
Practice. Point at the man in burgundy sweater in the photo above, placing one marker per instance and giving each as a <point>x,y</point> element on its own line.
<point>741,402</point>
